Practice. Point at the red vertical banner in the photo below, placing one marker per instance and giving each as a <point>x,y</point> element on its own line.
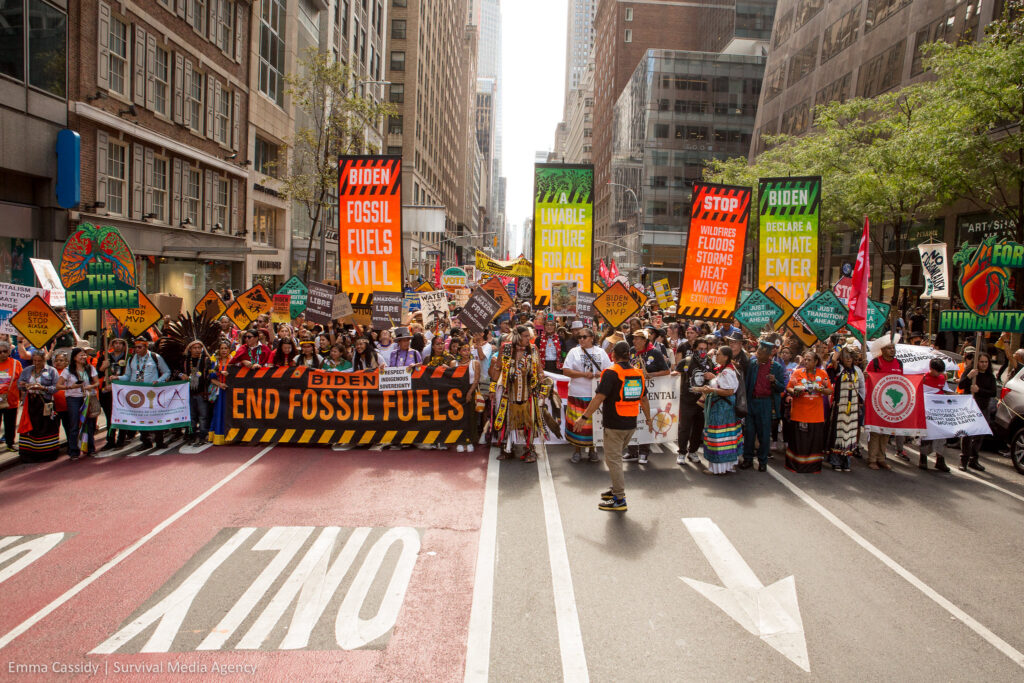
<point>369,226</point>
<point>714,251</point>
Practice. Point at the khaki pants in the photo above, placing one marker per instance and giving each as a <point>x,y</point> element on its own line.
<point>615,441</point>
<point>876,447</point>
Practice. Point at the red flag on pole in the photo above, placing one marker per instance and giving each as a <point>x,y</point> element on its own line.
<point>602,270</point>
<point>613,271</point>
<point>437,272</point>
<point>861,288</point>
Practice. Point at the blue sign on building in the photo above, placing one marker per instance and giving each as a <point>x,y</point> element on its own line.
<point>69,165</point>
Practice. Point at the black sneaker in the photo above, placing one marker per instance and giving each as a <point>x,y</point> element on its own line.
<point>593,455</point>
<point>145,446</point>
<point>746,464</point>
<point>631,457</point>
<point>762,467</point>
<point>607,495</point>
<point>613,505</point>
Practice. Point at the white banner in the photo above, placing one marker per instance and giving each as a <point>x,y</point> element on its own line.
<point>12,298</point>
<point>49,280</point>
<point>148,407</point>
<point>915,359</point>
<point>951,416</point>
<point>935,268</point>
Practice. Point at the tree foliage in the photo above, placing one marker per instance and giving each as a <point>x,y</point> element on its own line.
<point>331,119</point>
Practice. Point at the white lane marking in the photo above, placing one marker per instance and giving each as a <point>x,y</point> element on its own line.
<point>33,549</point>
<point>194,450</point>
<point>570,638</point>
<point>481,614</point>
<point>966,475</point>
<point>6,639</point>
<point>956,612</point>
<point>772,614</point>
<point>170,444</point>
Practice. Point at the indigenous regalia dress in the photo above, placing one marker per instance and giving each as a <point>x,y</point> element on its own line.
<point>844,420</point>
<point>723,431</point>
<point>806,448</point>
<point>218,421</point>
<point>518,392</point>
<point>39,433</point>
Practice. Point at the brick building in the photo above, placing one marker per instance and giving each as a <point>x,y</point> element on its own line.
<point>159,93</point>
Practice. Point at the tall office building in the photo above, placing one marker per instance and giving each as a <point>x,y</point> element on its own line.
<point>432,82</point>
<point>825,51</point>
<point>625,31</point>
<point>579,42</point>
<point>487,16</point>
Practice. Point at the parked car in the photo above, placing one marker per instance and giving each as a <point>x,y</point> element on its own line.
<point>1009,422</point>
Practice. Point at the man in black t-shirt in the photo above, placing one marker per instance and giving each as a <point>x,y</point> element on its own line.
<point>622,394</point>
<point>649,360</point>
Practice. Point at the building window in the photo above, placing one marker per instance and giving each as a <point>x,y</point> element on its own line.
<point>220,203</point>
<point>161,81</point>
<point>394,151</point>
<point>118,56</point>
<point>195,103</point>
<point>12,37</point>
<point>838,89</point>
<point>199,15</point>
<point>160,189</point>
<point>265,157</point>
<point>661,130</point>
<point>223,117</point>
<point>226,28</point>
<point>840,35</point>
<point>629,36</point>
<point>193,190</point>
<point>806,11</point>
<point>398,29</point>
<point>629,14</point>
<point>880,10</point>
<point>399,3</point>
<point>588,133</point>
<point>803,62</point>
<point>397,61</point>
<point>395,125</point>
<point>117,173</point>
<point>272,50</point>
<point>47,48</point>
<point>396,94</point>
<point>882,72</point>
<point>797,119</point>
<point>264,225</point>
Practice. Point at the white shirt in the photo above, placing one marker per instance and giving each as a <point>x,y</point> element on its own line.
<point>70,378</point>
<point>726,379</point>
<point>581,387</point>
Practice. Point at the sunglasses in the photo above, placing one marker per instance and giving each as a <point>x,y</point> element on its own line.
<point>586,336</point>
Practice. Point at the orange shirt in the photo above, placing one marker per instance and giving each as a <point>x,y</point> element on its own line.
<point>10,373</point>
<point>808,407</point>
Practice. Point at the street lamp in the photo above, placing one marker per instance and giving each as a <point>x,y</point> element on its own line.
<point>639,214</point>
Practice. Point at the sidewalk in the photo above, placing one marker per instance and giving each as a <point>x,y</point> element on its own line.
<point>9,459</point>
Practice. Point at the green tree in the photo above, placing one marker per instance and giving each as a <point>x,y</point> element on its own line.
<point>331,119</point>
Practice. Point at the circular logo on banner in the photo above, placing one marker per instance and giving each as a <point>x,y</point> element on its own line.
<point>893,398</point>
<point>453,278</point>
<point>135,398</point>
<point>525,287</point>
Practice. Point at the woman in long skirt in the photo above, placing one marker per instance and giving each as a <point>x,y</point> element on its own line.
<point>40,425</point>
<point>844,420</point>
<point>723,432</point>
<point>218,385</point>
<point>808,385</point>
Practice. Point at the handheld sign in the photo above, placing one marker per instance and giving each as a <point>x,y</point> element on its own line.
<point>37,322</point>
<point>563,297</point>
<point>342,306</point>
<point>12,299</point>
<point>255,301</point>
<point>639,294</point>
<point>758,311</point>
<point>479,311</point>
<point>139,318</point>
<point>281,312</point>
<point>616,304</point>
<point>320,303</point>
<point>499,294</point>
<point>236,313</point>
<point>211,300</point>
<point>823,314</point>
<point>386,311</point>
<point>298,291</point>
<point>97,269</point>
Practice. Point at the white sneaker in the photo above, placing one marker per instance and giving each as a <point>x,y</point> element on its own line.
<point>693,457</point>
<point>460,448</point>
<point>681,459</point>
<point>643,459</point>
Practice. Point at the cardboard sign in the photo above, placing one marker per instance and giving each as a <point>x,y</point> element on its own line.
<point>256,301</point>
<point>281,310</point>
<point>386,311</point>
<point>49,280</point>
<point>434,306</point>
<point>211,300</point>
<point>369,225</point>
<point>341,307</point>
<point>499,294</point>
<point>616,304</point>
<point>12,299</point>
<point>140,318</point>
<point>425,287</point>
<point>663,292</point>
<point>479,311</point>
<point>782,302</point>
<point>714,251</point>
<point>97,269</point>
<point>758,311</point>
<point>823,314</point>
<point>585,305</point>
<point>320,303</point>
<point>236,313</point>
<point>563,297</point>
<point>361,315</point>
<point>297,290</point>
<point>37,322</point>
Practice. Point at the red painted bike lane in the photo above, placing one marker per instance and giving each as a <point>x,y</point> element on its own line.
<point>309,564</point>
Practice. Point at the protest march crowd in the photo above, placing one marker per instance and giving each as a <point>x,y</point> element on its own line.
<point>742,397</point>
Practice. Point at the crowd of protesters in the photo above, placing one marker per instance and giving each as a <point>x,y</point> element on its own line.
<point>743,398</point>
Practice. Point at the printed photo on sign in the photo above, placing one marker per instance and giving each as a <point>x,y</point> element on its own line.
<point>563,297</point>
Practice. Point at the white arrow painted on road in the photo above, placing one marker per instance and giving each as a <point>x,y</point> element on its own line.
<point>771,613</point>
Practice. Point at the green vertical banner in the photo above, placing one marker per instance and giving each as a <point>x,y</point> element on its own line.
<point>563,227</point>
<point>788,213</point>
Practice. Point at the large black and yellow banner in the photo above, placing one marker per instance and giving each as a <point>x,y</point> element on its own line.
<point>304,406</point>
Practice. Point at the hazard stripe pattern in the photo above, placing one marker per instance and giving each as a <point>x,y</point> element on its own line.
<point>324,437</point>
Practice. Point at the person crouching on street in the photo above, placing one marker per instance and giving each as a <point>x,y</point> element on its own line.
<point>623,393</point>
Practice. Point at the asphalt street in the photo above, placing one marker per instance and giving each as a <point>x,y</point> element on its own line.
<point>285,563</point>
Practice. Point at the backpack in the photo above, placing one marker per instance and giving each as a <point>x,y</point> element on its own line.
<point>741,397</point>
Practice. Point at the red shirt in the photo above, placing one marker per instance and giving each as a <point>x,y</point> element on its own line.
<point>934,385</point>
<point>889,367</point>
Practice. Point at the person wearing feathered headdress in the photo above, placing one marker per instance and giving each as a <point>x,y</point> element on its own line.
<point>186,346</point>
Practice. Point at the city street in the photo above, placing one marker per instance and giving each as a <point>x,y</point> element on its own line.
<point>288,563</point>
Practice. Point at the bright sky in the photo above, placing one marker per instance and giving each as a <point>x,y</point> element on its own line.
<point>533,73</point>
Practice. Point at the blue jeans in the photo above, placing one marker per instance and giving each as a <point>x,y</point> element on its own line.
<point>75,406</point>
<point>200,415</point>
<point>757,425</point>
